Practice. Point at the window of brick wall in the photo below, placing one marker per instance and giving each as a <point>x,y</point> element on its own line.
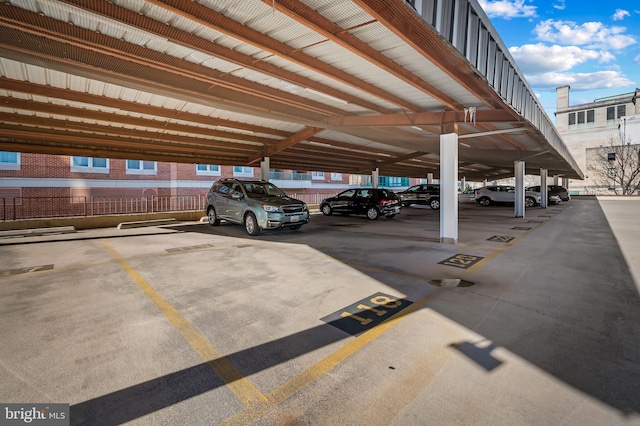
<point>207,170</point>
<point>89,165</point>
<point>141,167</point>
<point>9,160</point>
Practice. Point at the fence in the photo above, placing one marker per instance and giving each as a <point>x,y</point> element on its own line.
<point>18,208</point>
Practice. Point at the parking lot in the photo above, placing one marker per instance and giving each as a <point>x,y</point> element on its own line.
<point>531,320</point>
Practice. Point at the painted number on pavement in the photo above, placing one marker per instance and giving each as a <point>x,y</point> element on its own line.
<point>366,313</point>
<point>10,272</point>
<point>462,261</point>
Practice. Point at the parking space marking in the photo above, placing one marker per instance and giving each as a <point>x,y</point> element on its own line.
<point>501,238</point>
<point>27,270</point>
<point>364,314</point>
<point>304,379</point>
<point>246,392</point>
<point>462,261</point>
<point>188,248</point>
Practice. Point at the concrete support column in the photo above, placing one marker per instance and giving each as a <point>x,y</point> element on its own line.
<point>448,188</point>
<point>565,183</point>
<point>485,182</point>
<point>264,169</point>
<point>429,177</point>
<point>463,184</point>
<point>374,177</point>
<point>555,180</point>
<point>544,191</point>
<point>519,200</point>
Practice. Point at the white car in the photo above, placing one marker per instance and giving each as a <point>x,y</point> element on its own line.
<point>466,197</point>
<point>504,194</point>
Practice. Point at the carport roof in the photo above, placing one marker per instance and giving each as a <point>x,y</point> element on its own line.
<point>322,85</point>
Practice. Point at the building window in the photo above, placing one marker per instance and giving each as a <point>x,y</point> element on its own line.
<point>317,175</point>
<point>89,165</point>
<point>622,111</point>
<point>591,116</point>
<point>572,118</point>
<point>9,160</point>
<point>207,170</point>
<point>242,171</point>
<point>336,176</point>
<point>140,167</point>
<point>581,117</point>
<point>611,113</point>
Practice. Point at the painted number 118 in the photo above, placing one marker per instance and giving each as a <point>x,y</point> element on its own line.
<point>385,301</point>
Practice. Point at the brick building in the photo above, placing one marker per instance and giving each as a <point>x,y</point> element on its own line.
<point>33,179</point>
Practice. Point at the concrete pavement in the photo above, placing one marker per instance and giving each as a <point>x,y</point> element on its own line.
<point>342,322</point>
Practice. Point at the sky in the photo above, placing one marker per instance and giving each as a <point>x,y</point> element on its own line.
<point>591,45</point>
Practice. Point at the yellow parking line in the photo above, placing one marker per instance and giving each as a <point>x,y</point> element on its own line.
<point>248,394</point>
<point>305,378</point>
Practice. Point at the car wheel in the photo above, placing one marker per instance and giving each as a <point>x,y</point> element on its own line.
<point>295,227</point>
<point>529,202</point>
<point>434,204</point>
<point>484,201</point>
<point>326,210</point>
<point>213,219</point>
<point>373,213</point>
<point>251,224</point>
<point>391,216</point>
<point>406,204</point>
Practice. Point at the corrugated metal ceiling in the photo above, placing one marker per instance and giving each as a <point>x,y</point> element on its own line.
<point>323,85</point>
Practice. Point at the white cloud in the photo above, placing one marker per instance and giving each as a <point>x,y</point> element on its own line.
<point>540,58</point>
<point>507,9</point>
<point>620,15</point>
<point>579,81</point>
<point>560,5</point>
<point>637,59</point>
<point>592,34</point>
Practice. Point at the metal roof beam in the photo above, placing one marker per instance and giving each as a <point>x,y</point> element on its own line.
<point>211,19</point>
<point>70,95</point>
<point>175,35</point>
<point>311,19</point>
<point>400,18</point>
<point>423,119</point>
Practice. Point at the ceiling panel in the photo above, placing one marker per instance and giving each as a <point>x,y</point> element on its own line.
<point>330,85</point>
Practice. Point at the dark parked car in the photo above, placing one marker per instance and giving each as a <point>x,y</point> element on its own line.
<point>551,198</point>
<point>558,190</point>
<point>426,193</point>
<point>372,202</point>
<point>257,204</point>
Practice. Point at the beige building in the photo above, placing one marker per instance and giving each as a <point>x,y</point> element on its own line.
<point>593,125</point>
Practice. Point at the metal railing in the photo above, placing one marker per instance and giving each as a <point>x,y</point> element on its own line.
<point>18,208</point>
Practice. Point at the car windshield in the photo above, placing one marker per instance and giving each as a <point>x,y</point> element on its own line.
<point>262,189</point>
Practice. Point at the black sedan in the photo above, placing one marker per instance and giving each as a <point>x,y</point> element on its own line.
<point>372,202</point>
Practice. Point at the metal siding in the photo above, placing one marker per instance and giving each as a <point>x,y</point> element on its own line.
<point>497,75</point>
<point>460,22</point>
<point>491,62</point>
<point>510,84</point>
<point>504,78</point>
<point>473,40</point>
<point>444,12</point>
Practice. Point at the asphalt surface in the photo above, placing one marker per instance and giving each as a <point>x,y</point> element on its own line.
<point>531,320</point>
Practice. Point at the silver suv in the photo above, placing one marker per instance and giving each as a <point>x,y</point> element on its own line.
<point>498,194</point>
<point>257,204</point>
